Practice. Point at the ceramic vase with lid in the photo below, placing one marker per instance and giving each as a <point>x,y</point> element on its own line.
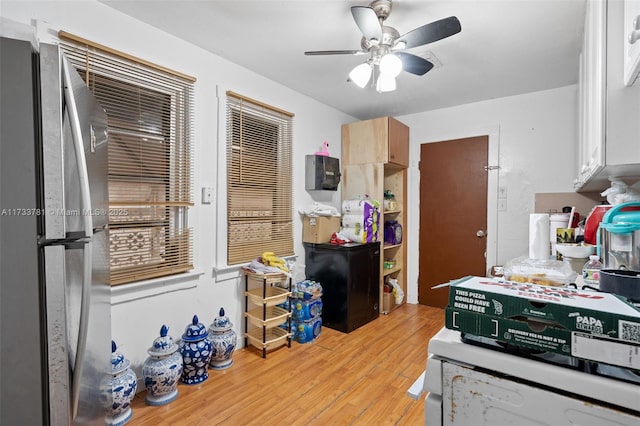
<point>223,340</point>
<point>123,388</point>
<point>162,369</point>
<point>195,349</point>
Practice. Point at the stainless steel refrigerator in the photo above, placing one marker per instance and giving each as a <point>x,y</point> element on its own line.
<point>55,315</point>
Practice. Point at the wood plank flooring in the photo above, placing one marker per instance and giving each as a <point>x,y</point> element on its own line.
<point>360,378</point>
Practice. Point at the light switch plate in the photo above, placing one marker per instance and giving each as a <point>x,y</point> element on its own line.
<point>502,191</point>
<point>207,195</point>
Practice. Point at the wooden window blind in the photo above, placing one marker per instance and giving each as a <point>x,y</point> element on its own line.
<point>259,174</point>
<point>150,120</point>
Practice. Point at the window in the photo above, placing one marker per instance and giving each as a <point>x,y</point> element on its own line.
<point>259,174</point>
<point>149,112</point>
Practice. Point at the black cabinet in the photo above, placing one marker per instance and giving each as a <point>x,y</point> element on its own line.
<point>350,278</point>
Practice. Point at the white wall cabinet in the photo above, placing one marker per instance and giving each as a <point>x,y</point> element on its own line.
<point>608,110</point>
<point>591,93</point>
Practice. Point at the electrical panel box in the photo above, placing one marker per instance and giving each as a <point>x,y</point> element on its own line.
<point>322,173</point>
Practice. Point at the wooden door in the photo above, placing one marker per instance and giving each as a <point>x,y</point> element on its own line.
<point>453,214</point>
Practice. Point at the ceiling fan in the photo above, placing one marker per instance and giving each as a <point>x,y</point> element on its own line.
<point>385,46</point>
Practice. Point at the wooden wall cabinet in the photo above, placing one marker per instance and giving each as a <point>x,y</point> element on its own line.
<point>379,140</point>
<point>375,157</point>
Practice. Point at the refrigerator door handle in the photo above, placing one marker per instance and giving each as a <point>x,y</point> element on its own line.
<point>87,222</point>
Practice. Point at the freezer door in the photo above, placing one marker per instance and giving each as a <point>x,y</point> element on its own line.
<point>85,122</point>
<point>70,110</point>
<point>51,157</point>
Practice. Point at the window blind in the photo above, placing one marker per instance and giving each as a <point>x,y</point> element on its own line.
<point>259,175</point>
<point>150,122</point>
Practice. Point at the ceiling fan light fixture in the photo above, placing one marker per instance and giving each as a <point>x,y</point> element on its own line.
<point>390,65</point>
<point>386,83</point>
<point>386,46</point>
<point>361,74</point>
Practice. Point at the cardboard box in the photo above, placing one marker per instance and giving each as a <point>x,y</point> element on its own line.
<point>388,302</point>
<point>318,229</point>
<point>594,326</point>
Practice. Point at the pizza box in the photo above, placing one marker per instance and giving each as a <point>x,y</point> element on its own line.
<point>586,324</point>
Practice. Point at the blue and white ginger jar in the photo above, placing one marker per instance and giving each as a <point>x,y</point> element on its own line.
<point>162,369</point>
<point>195,349</point>
<point>223,340</point>
<point>123,388</point>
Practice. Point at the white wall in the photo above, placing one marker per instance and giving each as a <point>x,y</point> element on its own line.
<point>138,314</point>
<point>532,138</point>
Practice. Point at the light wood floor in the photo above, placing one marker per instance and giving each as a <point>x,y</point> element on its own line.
<point>360,378</point>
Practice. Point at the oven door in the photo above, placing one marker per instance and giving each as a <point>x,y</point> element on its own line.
<point>477,397</point>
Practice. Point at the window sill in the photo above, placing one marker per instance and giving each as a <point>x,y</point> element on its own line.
<point>229,272</point>
<point>147,288</point>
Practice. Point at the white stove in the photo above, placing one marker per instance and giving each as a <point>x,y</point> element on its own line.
<point>477,384</point>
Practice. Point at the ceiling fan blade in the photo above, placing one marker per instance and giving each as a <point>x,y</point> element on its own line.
<point>434,31</point>
<point>335,52</point>
<point>414,64</point>
<point>367,20</point>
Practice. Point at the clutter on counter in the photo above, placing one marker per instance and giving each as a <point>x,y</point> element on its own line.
<point>548,272</point>
<point>593,326</point>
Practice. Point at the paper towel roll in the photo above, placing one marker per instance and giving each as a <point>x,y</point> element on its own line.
<point>355,235</point>
<point>353,206</point>
<point>352,221</point>
<point>358,206</point>
<point>539,242</point>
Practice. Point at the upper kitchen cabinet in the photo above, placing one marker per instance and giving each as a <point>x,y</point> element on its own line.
<point>591,95</point>
<point>608,110</point>
<point>379,140</point>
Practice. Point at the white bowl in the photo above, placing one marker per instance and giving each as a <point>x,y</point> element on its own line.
<point>576,250</point>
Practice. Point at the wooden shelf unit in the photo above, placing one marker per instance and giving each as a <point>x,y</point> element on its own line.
<point>375,157</point>
<point>262,316</point>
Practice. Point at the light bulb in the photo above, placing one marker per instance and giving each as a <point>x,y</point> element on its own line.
<point>386,83</point>
<point>390,65</point>
<point>399,45</point>
<point>361,74</point>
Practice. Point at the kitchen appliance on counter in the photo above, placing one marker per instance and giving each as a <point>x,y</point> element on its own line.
<point>622,282</point>
<point>55,300</point>
<point>350,279</point>
<point>592,222</point>
<point>476,381</point>
<point>619,235</point>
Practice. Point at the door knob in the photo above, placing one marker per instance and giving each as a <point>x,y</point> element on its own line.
<point>481,233</point>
